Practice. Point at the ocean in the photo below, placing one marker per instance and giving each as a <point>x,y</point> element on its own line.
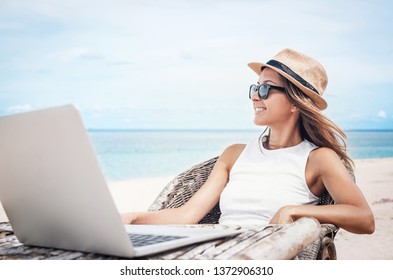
<point>133,154</point>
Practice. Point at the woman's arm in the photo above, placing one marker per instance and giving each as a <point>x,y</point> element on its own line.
<point>200,203</point>
<point>350,211</point>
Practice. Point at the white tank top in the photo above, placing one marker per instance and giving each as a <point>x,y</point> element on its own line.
<point>262,181</point>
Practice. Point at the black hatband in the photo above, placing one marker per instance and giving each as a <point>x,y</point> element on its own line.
<point>289,71</point>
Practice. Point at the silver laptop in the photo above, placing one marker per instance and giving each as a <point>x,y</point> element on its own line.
<point>55,194</point>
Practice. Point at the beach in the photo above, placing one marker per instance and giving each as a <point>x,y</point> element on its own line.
<point>374,177</point>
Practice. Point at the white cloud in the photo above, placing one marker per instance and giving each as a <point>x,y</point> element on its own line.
<point>20,108</point>
<point>76,53</point>
<point>382,114</point>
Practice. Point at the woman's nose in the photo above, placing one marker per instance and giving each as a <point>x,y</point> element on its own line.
<point>255,96</point>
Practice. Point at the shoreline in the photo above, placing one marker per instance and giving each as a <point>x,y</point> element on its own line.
<point>374,177</point>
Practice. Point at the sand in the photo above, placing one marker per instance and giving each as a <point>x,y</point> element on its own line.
<point>374,178</point>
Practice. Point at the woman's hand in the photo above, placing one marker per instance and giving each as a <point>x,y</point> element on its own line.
<point>285,215</point>
<point>128,218</point>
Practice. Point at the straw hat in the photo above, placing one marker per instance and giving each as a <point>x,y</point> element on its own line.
<point>303,71</point>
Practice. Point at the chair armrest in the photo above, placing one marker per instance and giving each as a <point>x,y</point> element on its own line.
<point>285,243</point>
<point>322,248</point>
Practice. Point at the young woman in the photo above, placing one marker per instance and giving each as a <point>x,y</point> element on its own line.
<point>280,176</point>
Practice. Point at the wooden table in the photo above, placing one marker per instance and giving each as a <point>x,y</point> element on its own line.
<point>255,242</point>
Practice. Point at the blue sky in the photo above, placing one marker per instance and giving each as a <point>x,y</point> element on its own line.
<point>183,64</point>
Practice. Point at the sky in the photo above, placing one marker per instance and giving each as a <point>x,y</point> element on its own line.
<point>128,64</point>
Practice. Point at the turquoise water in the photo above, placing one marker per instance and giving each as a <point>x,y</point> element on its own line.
<point>137,154</point>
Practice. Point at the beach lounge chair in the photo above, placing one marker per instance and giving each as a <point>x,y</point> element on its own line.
<point>183,186</point>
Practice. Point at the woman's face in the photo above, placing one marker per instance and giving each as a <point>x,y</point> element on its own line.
<point>276,108</point>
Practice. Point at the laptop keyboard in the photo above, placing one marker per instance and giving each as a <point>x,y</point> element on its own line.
<point>139,240</point>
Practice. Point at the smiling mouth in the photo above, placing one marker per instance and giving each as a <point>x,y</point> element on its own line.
<point>259,109</point>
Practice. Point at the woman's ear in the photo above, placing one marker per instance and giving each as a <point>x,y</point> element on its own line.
<point>294,109</point>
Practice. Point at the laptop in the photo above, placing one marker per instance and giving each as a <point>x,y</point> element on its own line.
<point>55,194</point>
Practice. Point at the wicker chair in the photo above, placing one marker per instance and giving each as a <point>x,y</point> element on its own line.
<point>183,186</point>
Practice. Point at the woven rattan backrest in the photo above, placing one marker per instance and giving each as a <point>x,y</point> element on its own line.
<point>183,186</point>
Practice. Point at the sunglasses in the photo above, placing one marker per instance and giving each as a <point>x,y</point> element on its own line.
<point>263,90</point>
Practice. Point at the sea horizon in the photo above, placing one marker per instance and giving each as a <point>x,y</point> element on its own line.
<point>145,153</point>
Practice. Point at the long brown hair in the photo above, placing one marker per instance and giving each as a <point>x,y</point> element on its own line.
<point>317,128</point>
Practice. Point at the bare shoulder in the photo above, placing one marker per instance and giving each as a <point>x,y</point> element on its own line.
<point>325,159</point>
<point>235,148</point>
<point>231,154</point>
<point>322,154</point>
